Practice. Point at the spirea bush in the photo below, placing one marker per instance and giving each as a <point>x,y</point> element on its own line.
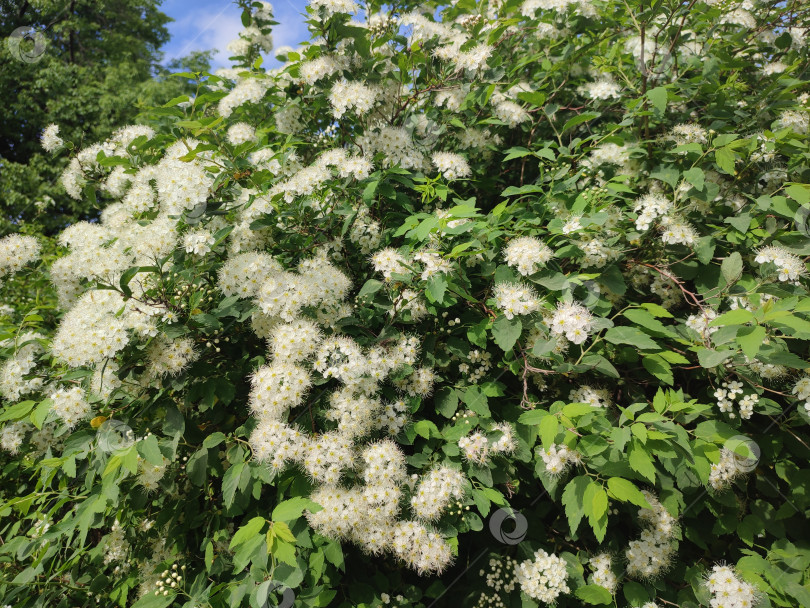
<point>486,304</point>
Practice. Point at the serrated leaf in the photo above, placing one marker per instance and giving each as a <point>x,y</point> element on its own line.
<point>640,461</point>
<point>658,98</point>
<point>658,367</point>
<point>572,500</point>
<point>249,530</point>
<point>294,508</point>
<point>626,491</point>
<point>548,430</point>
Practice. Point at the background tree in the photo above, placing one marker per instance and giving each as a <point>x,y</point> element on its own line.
<point>98,68</point>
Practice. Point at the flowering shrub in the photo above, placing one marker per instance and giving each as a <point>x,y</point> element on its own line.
<point>540,263</point>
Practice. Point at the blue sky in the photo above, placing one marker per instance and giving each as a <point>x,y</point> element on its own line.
<point>205,24</point>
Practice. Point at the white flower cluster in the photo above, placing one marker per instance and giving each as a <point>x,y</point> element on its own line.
<point>70,405</point>
<point>477,448</point>
<point>150,474</point>
<point>198,242</point>
<point>802,391</point>
<point>728,591</point>
<point>676,231</point>
<point>730,466</point>
<point>367,514</point>
<point>16,251</point>
<point>527,254</point>
<point>603,574</point>
<point>790,266</point>
<point>247,90</point>
<point>12,436</point>
<point>240,133</point>
<point>500,578</point>
<point>480,363</point>
<point>309,179</point>
<point>597,254</point>
<point>608,154</point>
<point>13,381</point>
<point>597,397</point>
<point>603,89</point>
<point>451,165</point>
<point>167,357</point>
<point>651,554</point>
<point>365,231</point>
<point>700,322</point>
<point>435,491</point>
<point>332,7</point>
<point>572,320</point>
<point>725,399</point>
<point>395,144</point>
<point>515,299</point>
<point>558,457</point>
<point>50,139</point>
<point>649,208</point>
<point>347,95</point>
<point>116,546</point>
<point>796,120</point>
<point>688,133</point>
<point>389,261</point>
<point>543,578</point>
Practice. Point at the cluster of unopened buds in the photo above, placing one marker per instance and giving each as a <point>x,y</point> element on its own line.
<point>170,579</point>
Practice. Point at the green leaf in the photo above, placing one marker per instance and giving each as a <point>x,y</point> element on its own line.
<point>600,364</point>
<point>658,367</point>
<point>634,593</point>
<point>293,508</point>
<point>594,594</point>
<point>732,267</point>
<point>18,410</point>
<point>197,466</point>
<point>249,530</point>
<point>436,286</point>
<point>213,440</point>
<point>632,336</point>
<point>572,499</point>
<point>709,358</point>
<point>724,157</point>
<point>640,461</point>
<point>230,481</point>
<point>370,287</point>
<point>799,192</point>
<point>548,430</point>
<point>695,176</point>
<point>476,401</point>
<point>578,120</point>
<point>658,98</point>
<point>506,332</point>
<point>595,505</point>
<point>626,491</point>
<point>446,401</point>
<point>738,316</point>
<point>149,449</point>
